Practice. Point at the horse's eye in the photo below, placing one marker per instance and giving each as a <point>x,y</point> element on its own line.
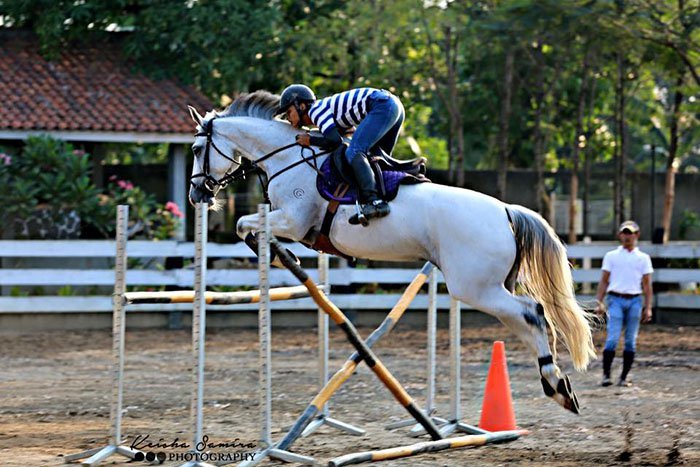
<point>196,150</point>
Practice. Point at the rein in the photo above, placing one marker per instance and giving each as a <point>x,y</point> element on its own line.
<point>212,183</point>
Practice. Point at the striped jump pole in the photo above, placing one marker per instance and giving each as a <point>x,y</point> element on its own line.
<point>347,370</point>
<point>214,298</point>
<point>428,446</point>
<point>199,326</point>
<point>265,356</point>
<point>200,298</point>
<point>361,346</point>
<point>94,456</point>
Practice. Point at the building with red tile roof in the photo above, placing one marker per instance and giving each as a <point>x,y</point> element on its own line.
<point>88,93</point>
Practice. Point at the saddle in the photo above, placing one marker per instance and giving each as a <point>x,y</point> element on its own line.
<point>336,183</point>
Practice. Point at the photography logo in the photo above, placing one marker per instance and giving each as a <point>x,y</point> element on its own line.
<point>180,451</point>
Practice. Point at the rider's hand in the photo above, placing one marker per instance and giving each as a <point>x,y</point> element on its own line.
<point>646,315</point>
<point>304,140</point>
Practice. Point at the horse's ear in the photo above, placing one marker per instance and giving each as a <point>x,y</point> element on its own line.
<point>195,115</point>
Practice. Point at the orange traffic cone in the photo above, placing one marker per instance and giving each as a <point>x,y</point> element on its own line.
<point>497,409</point>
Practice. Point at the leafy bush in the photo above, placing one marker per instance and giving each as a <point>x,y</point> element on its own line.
<point>53,176</point>
<point>147,217</point>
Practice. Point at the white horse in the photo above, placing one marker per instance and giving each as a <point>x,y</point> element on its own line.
<point>479,243</point>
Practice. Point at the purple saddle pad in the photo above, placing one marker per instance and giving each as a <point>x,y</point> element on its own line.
<point>328,180</point>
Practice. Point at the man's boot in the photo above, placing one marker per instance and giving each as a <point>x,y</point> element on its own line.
<point>627,360</point>
<point>373,206</point>
<point>608,357</point>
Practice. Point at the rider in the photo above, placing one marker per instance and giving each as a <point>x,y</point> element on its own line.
<point>378,116</point>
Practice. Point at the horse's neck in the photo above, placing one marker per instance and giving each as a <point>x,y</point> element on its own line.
<point>258,138</point>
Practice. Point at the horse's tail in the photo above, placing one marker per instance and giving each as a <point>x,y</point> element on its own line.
<point>546,276</point>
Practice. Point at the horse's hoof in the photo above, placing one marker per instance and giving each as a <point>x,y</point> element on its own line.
<point>563,394</point>
<point>570,399</point>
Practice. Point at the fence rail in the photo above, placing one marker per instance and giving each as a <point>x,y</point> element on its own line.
<point>15,273</point>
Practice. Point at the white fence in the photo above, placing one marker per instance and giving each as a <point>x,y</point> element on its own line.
<point>15,273</point>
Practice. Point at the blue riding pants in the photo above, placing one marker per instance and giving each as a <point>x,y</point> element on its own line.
<point>380,127</point>
<point>623,312</point>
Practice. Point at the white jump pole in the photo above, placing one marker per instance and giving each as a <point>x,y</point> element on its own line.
<point>118,329</point>
<point>324,417</point>
<point>264,327</point>
<point>431,361</point>
<point>455,423</point>
<point>199,326</point>
<point>265,360</point>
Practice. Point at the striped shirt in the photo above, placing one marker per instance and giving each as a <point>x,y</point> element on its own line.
<point>344,110</point>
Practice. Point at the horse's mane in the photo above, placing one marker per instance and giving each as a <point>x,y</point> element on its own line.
<point>258,104</point>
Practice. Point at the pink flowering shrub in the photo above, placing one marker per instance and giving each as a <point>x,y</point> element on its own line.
<point>147,217</point>
<point>52,177</point>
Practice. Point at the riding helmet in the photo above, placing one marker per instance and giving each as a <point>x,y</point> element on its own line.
<point>295,94</point>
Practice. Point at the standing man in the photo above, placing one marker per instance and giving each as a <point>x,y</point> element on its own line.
<point>626,273</point>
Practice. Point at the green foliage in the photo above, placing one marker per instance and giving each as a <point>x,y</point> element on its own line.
<point>66,291</point>
<point>690,221</point>
<point>17,291</point>
<point>147,217</point>
<point>225,47</point>
<point>49,173</point>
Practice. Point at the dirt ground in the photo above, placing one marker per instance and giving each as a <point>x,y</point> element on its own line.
<point>55,396</point>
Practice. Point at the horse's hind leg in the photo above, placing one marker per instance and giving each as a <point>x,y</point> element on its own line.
<point>525,318</point>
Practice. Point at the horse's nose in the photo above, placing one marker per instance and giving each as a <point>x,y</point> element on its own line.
<point>199,194</point>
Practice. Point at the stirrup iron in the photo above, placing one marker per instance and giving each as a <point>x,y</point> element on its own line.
<point>359,217</point>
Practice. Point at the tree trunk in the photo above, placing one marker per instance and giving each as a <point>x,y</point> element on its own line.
<point>578,133</point>
<point>621,146</point>
<point>538,136</point>
<point>504,123</point>
<point>451,44</point>
<point>670,186</point>
<point>587,162</point>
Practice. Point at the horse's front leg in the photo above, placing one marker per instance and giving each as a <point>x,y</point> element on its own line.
<point>281,225</point>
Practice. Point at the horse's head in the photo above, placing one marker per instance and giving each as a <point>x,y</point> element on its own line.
<point>215,157</point>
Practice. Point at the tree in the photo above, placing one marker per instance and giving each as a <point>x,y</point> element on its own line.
<point>217,45</point>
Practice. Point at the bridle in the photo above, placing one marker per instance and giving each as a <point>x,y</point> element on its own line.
<point>212,184</point>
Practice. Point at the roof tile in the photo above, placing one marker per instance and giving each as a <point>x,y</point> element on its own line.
<point>87,89</point>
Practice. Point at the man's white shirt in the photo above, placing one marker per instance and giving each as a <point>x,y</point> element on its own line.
<point>626,269</point>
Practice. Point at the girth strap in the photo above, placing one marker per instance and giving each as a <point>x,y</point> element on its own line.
<point>323,241</point>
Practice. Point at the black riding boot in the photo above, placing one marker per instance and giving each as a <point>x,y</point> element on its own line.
<point>373,206</point>
<point>608,357</point>
<point>627,360</point>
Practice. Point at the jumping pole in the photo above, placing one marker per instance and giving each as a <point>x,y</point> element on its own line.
<point>347,370</point>
<point>199,297</point>
<point>118,329</point>
<point>265,356</point>
<point>361,346</point>
<point>199,327</point>
<point>454,421</point>
<point>430,370</point>
<point>428,446</point>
